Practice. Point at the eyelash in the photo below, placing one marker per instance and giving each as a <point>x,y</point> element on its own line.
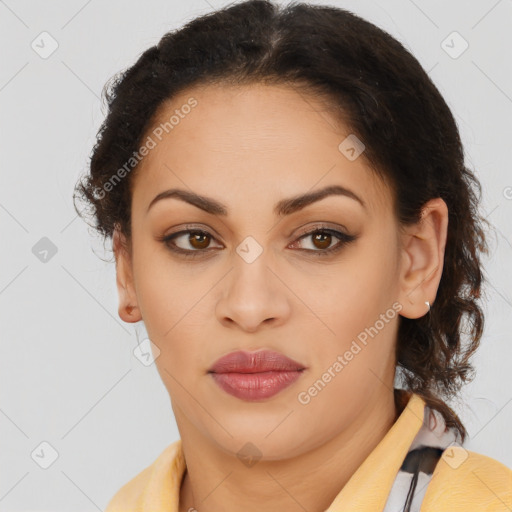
<point>344,238</point>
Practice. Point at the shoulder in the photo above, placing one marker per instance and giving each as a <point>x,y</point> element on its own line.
<point>129,498</point>
<point>465,480</point>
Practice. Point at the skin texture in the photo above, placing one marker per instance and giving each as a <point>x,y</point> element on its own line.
<point>249,147</point>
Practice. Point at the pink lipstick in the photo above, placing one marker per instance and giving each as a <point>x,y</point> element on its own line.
<point>255,375</point>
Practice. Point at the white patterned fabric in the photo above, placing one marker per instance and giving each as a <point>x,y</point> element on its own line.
<point>412,479</point>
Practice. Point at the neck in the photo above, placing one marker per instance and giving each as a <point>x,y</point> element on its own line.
<point>217,481</point>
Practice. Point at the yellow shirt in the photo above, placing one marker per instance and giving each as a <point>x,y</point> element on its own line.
<point>462,481</point>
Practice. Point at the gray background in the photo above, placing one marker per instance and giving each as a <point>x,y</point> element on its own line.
<point>68,376</point>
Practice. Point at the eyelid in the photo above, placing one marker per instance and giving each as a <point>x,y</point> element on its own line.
<point>303,230</point>
<point>319,225</point>
<point>344,239</point>
<point>339,232</point>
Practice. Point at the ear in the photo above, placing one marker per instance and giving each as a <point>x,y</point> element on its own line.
<point>128,307</point>
<point>422,257</point>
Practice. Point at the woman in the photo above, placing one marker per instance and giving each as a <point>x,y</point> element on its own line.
<point>292,219</point>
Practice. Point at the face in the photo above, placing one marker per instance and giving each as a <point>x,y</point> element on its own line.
<point>318,281</point>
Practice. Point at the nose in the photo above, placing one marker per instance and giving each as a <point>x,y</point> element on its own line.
<point>253,295</point>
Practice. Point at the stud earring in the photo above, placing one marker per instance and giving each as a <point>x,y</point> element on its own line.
<point>129,309</point>
<point>428,304</point>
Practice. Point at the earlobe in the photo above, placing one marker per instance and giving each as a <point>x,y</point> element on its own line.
<point>128,309</point>
<point>423,247</point>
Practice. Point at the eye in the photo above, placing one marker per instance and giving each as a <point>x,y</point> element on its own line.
<point>322,239</point>
<point>196,239</point>
<point>196,242</point>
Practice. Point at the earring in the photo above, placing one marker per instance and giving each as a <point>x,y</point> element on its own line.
<point>428,304</point>
<point>129,309</point>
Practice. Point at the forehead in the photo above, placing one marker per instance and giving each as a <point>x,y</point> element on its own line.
<point>248,142</point>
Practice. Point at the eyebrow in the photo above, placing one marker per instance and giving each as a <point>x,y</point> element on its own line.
<point>283,207</point>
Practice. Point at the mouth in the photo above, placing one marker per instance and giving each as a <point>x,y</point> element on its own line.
<point>255,376</point>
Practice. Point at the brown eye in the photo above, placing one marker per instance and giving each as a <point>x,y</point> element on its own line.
<point>190,242</point>
<point>196,243</point>
<point>322,240</point>
<point>199,240</point>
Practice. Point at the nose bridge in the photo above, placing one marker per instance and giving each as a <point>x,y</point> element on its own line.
<point>251,274</point>
<point>252,293</point>
<point>250,250</point>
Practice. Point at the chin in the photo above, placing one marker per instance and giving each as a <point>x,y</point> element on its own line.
<point>250,444</point>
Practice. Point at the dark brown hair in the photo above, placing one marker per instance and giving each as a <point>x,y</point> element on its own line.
<point>380,91</point>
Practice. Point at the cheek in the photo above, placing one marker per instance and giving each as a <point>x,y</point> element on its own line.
<point>171,298</point>
<point>354,314</point>
<point>352,294</point>
<point>167,290</point>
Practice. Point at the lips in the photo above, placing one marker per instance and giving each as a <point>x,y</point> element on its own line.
<point>255,362</point>
<point>255,376</point>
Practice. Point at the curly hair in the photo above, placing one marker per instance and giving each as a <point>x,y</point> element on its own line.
<point>379,90</point>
